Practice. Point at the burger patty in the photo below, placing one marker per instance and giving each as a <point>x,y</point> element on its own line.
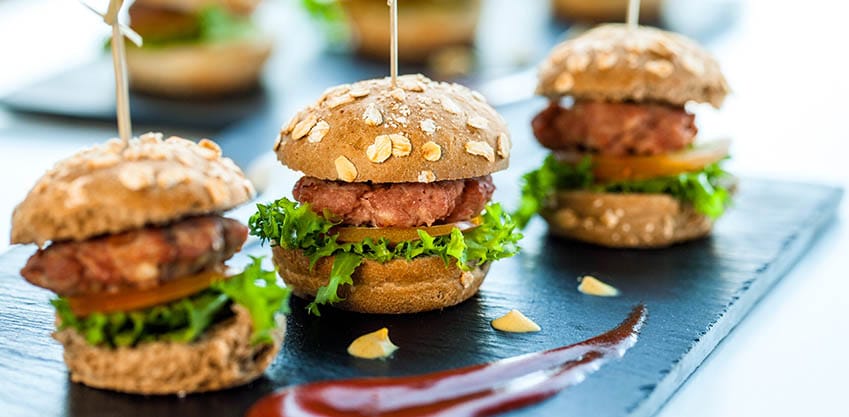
<point>136,259</point>
<point>397,205</point>
<point>615,128</point>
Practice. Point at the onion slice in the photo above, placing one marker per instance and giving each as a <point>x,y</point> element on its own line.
<point>397,235</point>
<point>624,168</point>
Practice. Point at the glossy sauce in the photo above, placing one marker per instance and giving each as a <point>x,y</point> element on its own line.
<point>479,390</point>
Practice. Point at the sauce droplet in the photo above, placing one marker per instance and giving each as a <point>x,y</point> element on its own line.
<point>591,285</point>
<point>479,390</point>
<point>515,322</point>
<point>374,345</point>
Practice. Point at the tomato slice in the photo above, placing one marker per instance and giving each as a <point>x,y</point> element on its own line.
<point>622,168</point>
<point>137,299</point>
<point>401,234</point>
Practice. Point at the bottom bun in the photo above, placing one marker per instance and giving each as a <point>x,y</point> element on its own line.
<point>198,69</point>
<point>624,220</point>
<point>421,31</point>
<point>223,357</point>
<point>604,10</point>
<point>396,287</point>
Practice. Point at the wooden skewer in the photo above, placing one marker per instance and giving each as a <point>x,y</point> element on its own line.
<point>633,13</point>
<point>119,63</point>
<point>393,46</point>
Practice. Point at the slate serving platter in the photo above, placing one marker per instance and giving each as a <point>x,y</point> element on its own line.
<point>695,293</point>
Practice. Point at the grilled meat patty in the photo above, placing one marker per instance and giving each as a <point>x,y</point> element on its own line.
<point>136,259</point>
<point>615,128</point>
<point>397,205</point>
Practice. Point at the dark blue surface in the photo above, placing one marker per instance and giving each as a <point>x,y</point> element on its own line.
<point>696,293</point>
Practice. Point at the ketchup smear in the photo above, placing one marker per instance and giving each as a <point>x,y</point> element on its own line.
<point>479,390</point>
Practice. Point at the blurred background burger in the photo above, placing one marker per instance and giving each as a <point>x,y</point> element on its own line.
<point>196,47</point>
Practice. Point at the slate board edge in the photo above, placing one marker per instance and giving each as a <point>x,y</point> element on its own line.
<point>797,245</point>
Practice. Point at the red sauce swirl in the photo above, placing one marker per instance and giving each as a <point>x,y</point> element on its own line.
<point>479,390</point>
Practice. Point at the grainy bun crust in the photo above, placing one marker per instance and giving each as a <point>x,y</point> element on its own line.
<point>198,69</point>
<point>223,357</point>
<point>396,287</point>
<point>624,220</point>
<point>194,6</point>
<point>115,187</point>
<point>604,10</point>
<point>456,23</point>
<point>345,134</point>
<point>614,63</point>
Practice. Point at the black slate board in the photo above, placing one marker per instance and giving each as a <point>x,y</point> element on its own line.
<point>696,293</point>
<point>88,92</point>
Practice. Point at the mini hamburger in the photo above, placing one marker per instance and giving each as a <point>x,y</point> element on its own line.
<point>625,170</point>
<point>393,213</point>
<point>425,27</point>
<point>132,240</point>
<point>196,47</point>
<point>604,10</point>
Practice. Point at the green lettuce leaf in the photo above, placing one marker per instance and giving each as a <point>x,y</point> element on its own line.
<point>213,24</point>
<point>257,291</point>
<point>330,17</point>
<point>186,319</point>
<point>291,225</point>
<point>705,189</point>
<point>344,264</point>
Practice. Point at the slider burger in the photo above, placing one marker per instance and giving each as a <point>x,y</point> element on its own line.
<point>625,171</point>
<point>132,240</point>
<point>393,213</point>
<point>425,27</point>
<point>604,10</point>
<point>196,47</point>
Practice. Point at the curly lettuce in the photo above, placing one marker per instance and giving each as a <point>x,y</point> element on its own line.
<point>705,190</point>
<point>185,320</point>
<point>291,225</point>
<point>212,24</point>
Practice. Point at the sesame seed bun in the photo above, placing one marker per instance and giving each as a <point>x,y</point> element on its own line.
<point>624,220</point>
<point>419,131</point>
<point>423,27</point>
<point>194,6</point>
<point>603,10</point>
<point>115,187</point>
<point>198,69</point>
<point>395,287</point>
<point>223,357</point>
<point>614,63</point>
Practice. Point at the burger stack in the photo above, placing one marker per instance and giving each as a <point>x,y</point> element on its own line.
<point>393,214</point>
<point>625,169</point>
<point>132,240</point>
